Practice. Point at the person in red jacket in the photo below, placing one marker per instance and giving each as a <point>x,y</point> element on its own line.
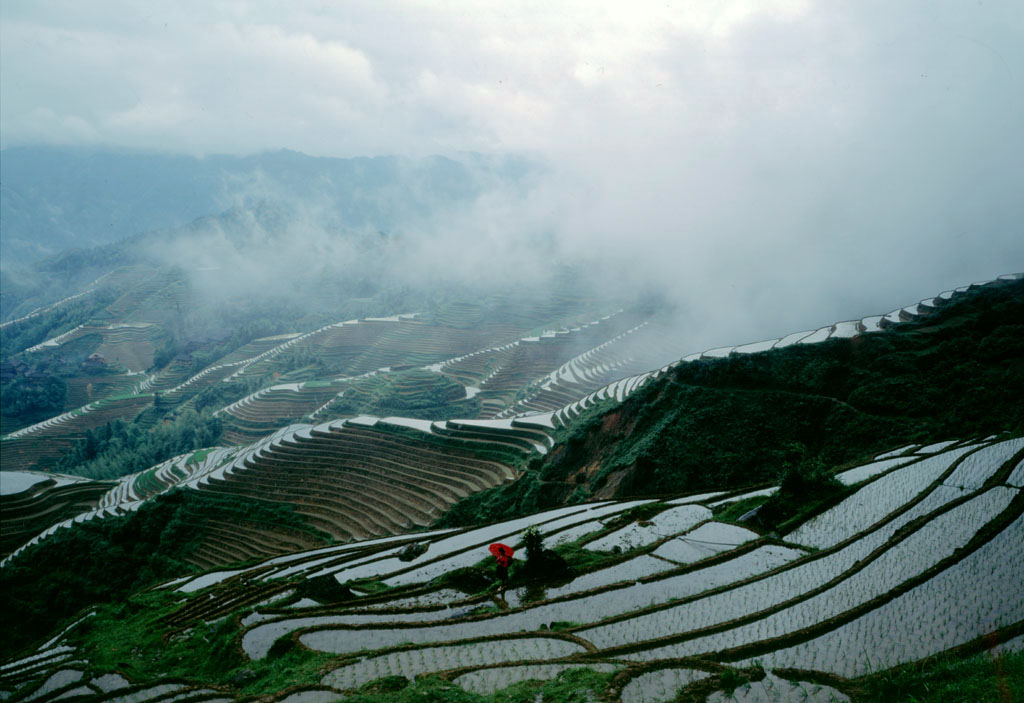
<point>504,558</point>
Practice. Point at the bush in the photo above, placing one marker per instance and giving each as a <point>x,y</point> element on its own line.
<point>949,679</point>
<point>803,488</point>
<point>542,564</point>
<point>468,579</point>
<point>324,589</point>
<point>120,448</point>
<point>533,540</point>
<point>34,398</point>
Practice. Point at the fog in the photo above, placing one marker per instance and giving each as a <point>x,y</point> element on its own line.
<point>764,167</point>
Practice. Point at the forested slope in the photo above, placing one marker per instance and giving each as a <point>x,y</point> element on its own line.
<point>742,419</point>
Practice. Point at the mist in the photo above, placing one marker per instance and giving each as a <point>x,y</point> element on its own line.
<point>761,168</point>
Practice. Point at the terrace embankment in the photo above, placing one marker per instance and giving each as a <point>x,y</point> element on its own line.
<point>25,514</point>
<point>663,601</point>
<point>355,481</point>
<point>955,369</point>
<point>40,446</point>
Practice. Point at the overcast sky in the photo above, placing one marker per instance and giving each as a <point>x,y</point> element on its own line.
<point>780,163</point>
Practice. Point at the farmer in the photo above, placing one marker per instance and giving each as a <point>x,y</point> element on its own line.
<point>503,556</point>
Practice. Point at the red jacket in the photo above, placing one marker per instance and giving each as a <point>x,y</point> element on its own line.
<point>504,560</point>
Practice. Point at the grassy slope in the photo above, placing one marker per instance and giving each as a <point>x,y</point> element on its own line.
<point>982,677</point>
<point>102,561</point>
<point>720,423</point>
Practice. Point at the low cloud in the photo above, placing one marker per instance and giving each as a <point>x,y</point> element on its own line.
<point>765,166</point>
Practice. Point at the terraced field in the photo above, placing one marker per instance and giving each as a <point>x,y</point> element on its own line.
<point>924,557</point>
<point>129,344</point>
<point>559,369</point>
<point>501,375</point>
<point>351,479</point>
<point>350,448</point>
<point>383,355</point>
<point>31,499</point>
<point>38,446</point>
<point>364,477</point>
<point>83,390</point>
<point>32,502</point>
<point>266,410</point>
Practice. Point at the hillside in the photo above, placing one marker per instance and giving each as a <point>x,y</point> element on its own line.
<point>712,420</point>
<point>853,445</point>
<point>140,363</point>
<point>649,601</point>
<point>951,367</point>
<point>446,352</point>
<point>818,403</point>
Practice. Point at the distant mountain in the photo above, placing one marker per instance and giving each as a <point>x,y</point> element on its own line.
<point>53,198</point>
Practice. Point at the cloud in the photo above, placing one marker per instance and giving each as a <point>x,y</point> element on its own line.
<point>734,155</point>
<point>404,78</point>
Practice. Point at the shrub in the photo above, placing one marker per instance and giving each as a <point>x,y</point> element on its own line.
<point>534,543</point>
<point>803,488</point>
<point>541,563</point>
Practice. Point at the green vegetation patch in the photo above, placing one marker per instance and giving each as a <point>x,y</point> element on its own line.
<point>747,419</point>
<point>983,677</point>
<point>528,494</point>
<point>120,448</point>
<point>103,561</point>
<point>27,400</point>
<point>199,456</point>
<point>732,512</point>
<point>413,393</point>
<point>130,637</point>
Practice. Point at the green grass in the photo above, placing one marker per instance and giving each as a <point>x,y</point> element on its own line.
<point>732,512</point>
<point>370,585</point>
<point>560,625</point>
<point>147,482</point>
<point>323,384</point>
<point>123,396</point>
<point>581,559</point>
<point>982,678</point>
<point>129,637</point>
<point>198,456</point>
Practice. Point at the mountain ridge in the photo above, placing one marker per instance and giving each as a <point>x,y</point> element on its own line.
<point>53,198</point>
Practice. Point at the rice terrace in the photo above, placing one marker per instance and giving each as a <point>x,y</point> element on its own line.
<point>324,559</point>
<point>576,351</point>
